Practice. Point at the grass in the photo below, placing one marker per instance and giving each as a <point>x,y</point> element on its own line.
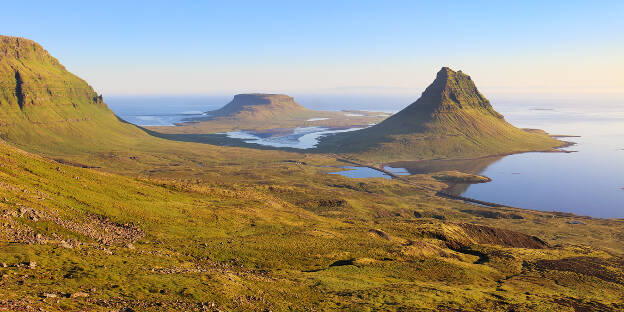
<point>277,246</point>
<point>450,120</point>
<point>162,225</point>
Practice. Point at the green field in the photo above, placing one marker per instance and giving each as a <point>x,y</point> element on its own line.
<point>98,214</point>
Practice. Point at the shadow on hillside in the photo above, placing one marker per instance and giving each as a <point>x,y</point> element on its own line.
<point>221,140</point>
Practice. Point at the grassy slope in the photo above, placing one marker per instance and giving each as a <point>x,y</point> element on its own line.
<point>450,120</point>
<point>49,110</point>
<point>41,103</point>
<point>128,242</point>
<point>241,229</point>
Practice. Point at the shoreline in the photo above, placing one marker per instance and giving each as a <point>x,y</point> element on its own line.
<point>444,193</point>
<point>439,193</point>
<point>552,150</point>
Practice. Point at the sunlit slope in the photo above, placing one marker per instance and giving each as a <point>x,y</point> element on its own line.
<point>260,106</point>
<point>76,239</point>
<point>50,111</point>
<point>43,105</point>
<point>451,119</point>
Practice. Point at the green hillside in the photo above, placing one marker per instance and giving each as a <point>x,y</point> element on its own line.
<point>42,104</point>
<point>196,227</point>
<point>451,119</point>
<point>262,112</point>
<point>76,239</point>
<point>48,110</point>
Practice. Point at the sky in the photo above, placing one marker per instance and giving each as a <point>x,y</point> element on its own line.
<point>334,47</point>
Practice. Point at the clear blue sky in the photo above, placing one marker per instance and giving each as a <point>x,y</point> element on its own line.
<point>157,47</point>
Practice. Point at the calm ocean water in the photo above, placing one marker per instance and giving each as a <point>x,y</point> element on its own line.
<point>587,182</point>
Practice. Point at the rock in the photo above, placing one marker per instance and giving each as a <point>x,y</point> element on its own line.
<point>379,233</point>
<point>49,295</point>
<point>65,244</point>
<point>130,246</point>
<point>79,295</point>
<point>4,265</point>
<point>32,265</point>
<point>439,217</point>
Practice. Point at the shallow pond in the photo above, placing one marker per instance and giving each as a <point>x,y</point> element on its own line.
<point>366,172</point>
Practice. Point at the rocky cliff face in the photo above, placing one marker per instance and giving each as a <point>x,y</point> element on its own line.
<point>30,76</point>
<point>451,91</point>
<point>452,94</point>
<point>43,104</point>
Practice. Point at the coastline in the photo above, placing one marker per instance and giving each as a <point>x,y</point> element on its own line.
<point>444,193</point>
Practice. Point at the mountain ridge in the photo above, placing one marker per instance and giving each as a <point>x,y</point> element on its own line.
<point>43,106</point>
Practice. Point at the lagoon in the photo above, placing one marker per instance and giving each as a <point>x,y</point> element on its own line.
<point>587,182</point>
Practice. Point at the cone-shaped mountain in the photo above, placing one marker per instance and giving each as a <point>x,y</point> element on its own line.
<point>451,119</point>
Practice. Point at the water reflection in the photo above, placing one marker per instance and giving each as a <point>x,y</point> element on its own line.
<point>301,137</point>
<point>366,172</point>
<point>474,166</point>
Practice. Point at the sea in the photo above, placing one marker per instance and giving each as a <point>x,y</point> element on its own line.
<point>587,180</point>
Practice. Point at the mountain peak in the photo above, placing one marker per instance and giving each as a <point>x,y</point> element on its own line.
<point>21,49</point>
<point>451,118</point>
<point>446,71</point>
<point>451,91</point>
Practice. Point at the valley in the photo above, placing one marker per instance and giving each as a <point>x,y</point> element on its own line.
<point>100,214</point>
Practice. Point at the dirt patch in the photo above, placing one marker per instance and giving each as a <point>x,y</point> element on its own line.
<point>99,228</point>
<point>74,164</point>
<point>361,187</point>
<point>379,233</point>
<point>489,235</point>
<point>464,235</point>
<point>104,230</point>
<point>610,271</point>
<point>332,203</point>
<point>588,306</point>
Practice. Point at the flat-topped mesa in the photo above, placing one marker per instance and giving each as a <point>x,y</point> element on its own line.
<point>259,105</point>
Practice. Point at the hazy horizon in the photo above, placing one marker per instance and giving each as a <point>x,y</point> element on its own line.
<point>566,48</point>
